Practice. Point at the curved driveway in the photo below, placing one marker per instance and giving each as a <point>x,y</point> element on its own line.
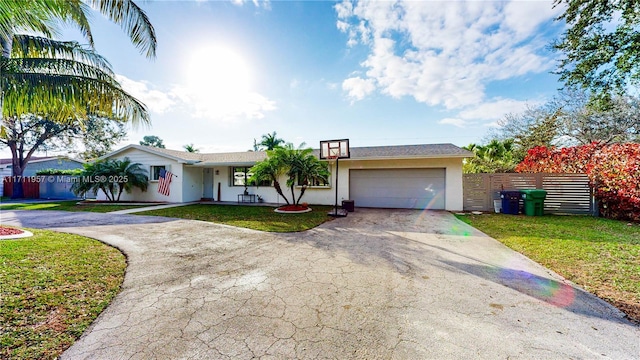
<point>378,284</point>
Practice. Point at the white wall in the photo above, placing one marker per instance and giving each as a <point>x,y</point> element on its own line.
<point>191,184</point>
<point>326,195</point>
<point>147,160</point>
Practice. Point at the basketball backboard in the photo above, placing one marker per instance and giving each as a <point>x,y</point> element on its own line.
<point>334,149</point>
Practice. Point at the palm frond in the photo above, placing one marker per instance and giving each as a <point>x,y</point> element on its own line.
<point>64,97</point>
<point>56,67</point>
<point>27,46</point>
<point>133,20</point>
<point>40,16</point>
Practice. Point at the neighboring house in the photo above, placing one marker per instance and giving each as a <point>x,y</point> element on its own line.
<point>408,176</point>
<point>36,164</point>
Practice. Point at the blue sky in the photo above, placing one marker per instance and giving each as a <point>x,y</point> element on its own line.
<point>378,73</point>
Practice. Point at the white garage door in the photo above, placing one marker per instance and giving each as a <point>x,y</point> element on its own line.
<point>398,188</point>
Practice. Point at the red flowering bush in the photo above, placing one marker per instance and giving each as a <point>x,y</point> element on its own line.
<point>613,170</point>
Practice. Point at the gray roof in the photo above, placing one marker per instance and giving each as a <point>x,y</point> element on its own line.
<point>357,153</point>
<point>411,151</point>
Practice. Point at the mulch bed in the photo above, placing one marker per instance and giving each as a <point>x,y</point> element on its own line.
<point>293,208</point>
<point>9,231</point>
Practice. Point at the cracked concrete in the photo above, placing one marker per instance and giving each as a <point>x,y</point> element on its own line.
<point>378,284</point>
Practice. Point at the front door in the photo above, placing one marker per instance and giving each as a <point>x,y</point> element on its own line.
<point>207,183</point>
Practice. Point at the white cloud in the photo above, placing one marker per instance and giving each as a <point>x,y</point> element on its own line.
<point>445,52</point>
<point>156,100</point>
<point>257,3</point>
<point>453,121</point>
<point>219,104</point>
<point>358,88</point>
<point>495,109</point>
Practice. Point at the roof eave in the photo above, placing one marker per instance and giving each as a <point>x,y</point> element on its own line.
<point>145,149</point>
<point>407,157</point>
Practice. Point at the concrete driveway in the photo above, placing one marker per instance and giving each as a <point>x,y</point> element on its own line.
<point>379,284</point>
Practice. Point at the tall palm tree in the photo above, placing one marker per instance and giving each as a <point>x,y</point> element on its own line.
<point>63,80</point>
<point>271,141</point>
<point>42,17</point>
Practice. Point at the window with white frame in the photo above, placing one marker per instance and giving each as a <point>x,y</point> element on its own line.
<point>155,172</point>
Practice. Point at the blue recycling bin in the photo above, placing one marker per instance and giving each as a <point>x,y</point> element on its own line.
<point>510,202</point>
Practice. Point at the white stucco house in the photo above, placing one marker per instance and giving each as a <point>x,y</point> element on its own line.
<point>427,176</point>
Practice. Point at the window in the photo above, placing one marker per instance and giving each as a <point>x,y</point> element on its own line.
<point>315,182</point>
<point>240,176</point>
<point>155,172</point>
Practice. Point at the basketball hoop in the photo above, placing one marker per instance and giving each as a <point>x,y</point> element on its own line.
<point>333,150</point>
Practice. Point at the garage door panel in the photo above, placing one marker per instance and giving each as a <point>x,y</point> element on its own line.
<point>398,188</point>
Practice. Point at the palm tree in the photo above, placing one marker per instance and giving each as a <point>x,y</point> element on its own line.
<point>496,156</point>
<point>127,175</point>
<point>63,80</point>
<point>271,141</point>
<point>191,148</point>
<point>270,169</point>
<point>43,17</point>
<point>112,177</point>
<point>298,165</point>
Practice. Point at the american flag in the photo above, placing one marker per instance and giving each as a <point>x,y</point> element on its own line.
<point>164,181</point>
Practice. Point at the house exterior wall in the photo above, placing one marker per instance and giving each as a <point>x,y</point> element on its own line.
<point>191,184</point>
<point>147,160</point>
<point>58,164</point>
<point>326,195</point>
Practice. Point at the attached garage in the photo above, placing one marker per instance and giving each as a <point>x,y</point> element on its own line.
<point>398,188</point>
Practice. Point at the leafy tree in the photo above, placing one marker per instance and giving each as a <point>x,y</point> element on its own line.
<point>190,148</point>
<point>571,118</point>
<point>29,133</point>
<point>152,140</point>
<point>581,121</point>
<point>297,165</point>
<point>270,141</point>
<point>112,177</point>
<point>536,126</point>
<point>495,157</point>
<point>98,137</point>
<point>613,170</point>
<point>601,45</point>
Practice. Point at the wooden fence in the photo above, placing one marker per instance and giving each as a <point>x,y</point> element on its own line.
<point>566,193</point>
<point>30,186</point>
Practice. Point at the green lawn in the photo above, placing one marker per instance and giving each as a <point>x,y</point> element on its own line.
<point>66,206</point>
<point>52,286</point>
<point>602,256</point>
<point>252,217</point>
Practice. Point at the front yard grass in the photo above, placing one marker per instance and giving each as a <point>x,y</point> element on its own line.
<point>600,255</point>
<point>261,218</point>
<point>52,287</point>
<point>67,205</point>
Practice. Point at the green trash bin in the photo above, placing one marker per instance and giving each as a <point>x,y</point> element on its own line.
<point>533,201</point>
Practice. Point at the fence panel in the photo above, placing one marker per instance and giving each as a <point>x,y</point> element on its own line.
<point>30,187</point>
<point>566,193</point>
